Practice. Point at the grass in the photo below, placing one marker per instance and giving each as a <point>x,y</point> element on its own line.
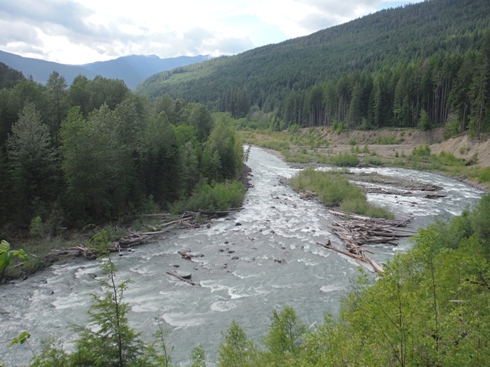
<point>335,190</point>
<point>345,160</point>
<point>387,140</point>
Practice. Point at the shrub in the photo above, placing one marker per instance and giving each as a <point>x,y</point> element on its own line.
<point>374,161</point>
<point>218,196</point>
<point>484,175</point>
<point>345,160</point>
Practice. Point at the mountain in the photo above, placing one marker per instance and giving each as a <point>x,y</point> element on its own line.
<point>380,40</point>
<point>131,69</point>
<point>40,69</point>
<point>136,68</point>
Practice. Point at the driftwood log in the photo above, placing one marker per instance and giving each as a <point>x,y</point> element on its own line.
<point>188,255</point>
<point>357,230</point>
<point>358,255</point>
<point>181,278</point>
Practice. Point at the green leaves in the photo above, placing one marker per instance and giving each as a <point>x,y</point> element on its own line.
<point>21,339</point>
<point>238,350</point>
<point>6,256</point>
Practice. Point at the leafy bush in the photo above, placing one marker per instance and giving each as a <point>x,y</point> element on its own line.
<point>421,151</point>
<point>217,196</point>
<point>345,160</point>
<point>484,175</point>
<point>374,161</point>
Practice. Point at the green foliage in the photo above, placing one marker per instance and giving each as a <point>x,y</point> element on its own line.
<point>94,152</point>
<point>217,196</point>
<point>21,339</point>
<point>198,357</point>
<point>374,161</point>
<point>421,151</point>
<point>380,70</point>
<point>285,337</point>
<point>237,350</point>
<point>33,161</point>
<point>162,358</point>
<point>36,229</point>
<point>345,160</point>
<point>424,122</point>
<point>6,256</point>
<point>387,140</point>
<point>108,339</point>
<point>9,77</point>
<point>223,154</point>
<point>334,189</point>
<point>52,355</point>
<point>484,175</point>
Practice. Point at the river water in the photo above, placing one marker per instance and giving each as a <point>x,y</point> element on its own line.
<point>260,258</point>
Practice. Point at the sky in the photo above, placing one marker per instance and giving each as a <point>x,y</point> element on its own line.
<point>85,31</point>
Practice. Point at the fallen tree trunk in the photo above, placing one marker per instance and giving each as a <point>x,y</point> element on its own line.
<point>360,257</point>
<point>180,278</point>
<point>188,256</point>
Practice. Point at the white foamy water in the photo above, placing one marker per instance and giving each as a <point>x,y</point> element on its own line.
<point>269,261</point>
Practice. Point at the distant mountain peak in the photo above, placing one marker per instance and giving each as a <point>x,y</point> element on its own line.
<point>132,69</point>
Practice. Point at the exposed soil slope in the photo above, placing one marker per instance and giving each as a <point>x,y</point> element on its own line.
<point>404,141</point>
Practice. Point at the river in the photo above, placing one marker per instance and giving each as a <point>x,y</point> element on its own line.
<point>238,277</point>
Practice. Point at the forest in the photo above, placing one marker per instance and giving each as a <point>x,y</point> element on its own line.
<point>93,152</point>
<point>420,65</point>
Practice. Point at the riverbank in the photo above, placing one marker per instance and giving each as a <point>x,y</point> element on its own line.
<point>388,147</point>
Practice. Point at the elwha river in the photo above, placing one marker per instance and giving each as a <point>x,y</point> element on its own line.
<point>237,276</point>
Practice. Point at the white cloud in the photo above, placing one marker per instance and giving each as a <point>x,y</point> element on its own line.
<point>81,31</point>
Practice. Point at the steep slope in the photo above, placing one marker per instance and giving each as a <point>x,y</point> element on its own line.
<point>386,38</point>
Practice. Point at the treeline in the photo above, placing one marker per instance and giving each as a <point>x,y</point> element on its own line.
<point>93,151</point>
<point>446,90</point>
<point>365,52</point>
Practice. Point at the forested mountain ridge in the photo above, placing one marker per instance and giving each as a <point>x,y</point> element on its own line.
<point>386,40</point>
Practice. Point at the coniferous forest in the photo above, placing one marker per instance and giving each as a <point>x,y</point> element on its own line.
<point>93,152</point>
<point>420,65</point>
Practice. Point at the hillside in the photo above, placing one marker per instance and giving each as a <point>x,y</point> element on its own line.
<point>384,39</point>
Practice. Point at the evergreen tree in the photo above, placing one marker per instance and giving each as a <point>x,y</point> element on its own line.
<point>56,89</point>
<point>33,162</point>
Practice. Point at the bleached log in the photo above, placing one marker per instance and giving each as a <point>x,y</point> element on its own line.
<point>180,278</point>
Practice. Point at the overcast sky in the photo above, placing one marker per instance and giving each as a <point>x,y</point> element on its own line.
<point>83,31</point>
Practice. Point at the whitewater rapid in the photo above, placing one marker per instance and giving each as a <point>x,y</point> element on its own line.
<point>262,257</point>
